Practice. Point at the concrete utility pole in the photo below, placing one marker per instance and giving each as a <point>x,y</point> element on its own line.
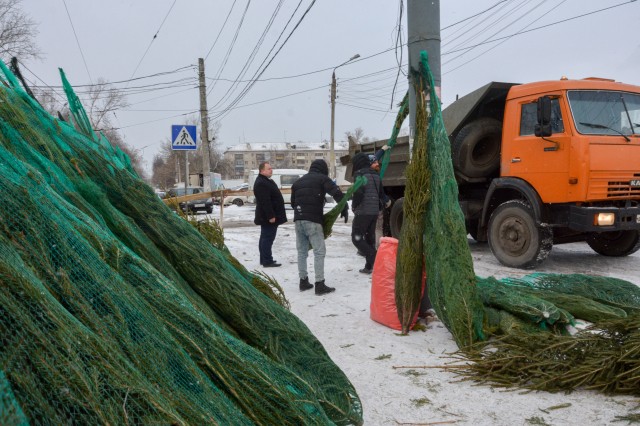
<point>423,30</point>
<point>423,33</point>
<point>204,130</point>
<point>332,152</point>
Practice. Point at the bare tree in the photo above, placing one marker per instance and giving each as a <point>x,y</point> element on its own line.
<point>17,32</point>
<point>358,136</point>
<point>102,100</point>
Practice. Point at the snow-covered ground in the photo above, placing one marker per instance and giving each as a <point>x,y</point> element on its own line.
<point>368,352</point>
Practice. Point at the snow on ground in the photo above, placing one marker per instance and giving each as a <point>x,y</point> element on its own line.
<point>368,352</point>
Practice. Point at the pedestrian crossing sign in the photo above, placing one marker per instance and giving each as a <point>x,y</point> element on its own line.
<point>183,137</point>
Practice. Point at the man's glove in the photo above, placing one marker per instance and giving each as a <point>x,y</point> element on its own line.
<point>387,204</point>
<point>385,147</point>
<point>345,213</point>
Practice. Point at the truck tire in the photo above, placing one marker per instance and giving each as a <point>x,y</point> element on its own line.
<point>395,218</point>
<point>238,202</point>
<point>615,244</point>
<point>515,239</point>
<point>476,148</point>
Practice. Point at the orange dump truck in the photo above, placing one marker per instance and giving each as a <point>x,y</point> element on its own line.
<point>539,164</point>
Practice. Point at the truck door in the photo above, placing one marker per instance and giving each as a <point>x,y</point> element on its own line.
<point>542,162</point>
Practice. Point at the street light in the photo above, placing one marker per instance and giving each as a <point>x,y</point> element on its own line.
<point>332,152</point>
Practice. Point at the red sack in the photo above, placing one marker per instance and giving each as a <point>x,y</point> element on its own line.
<point>383,286</point>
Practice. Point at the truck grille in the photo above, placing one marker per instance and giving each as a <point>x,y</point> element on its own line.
<point>613,185</point>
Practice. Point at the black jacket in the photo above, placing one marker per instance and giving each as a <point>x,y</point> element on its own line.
<point>368,199</point>
<point>308,193</point>
<point>269,202</point>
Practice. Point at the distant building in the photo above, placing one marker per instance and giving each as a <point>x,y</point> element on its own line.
<point>299,155</point>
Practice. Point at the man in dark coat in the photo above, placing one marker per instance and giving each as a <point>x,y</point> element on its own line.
<point>366,205</point>
<point>269,213</point>
<point>307,199</point>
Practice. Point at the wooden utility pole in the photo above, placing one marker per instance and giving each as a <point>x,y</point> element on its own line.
<point>204,130</point>
<point>332,152</point>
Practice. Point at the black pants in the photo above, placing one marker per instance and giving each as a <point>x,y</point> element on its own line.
<point>267,237</point>
<point>363,236</point>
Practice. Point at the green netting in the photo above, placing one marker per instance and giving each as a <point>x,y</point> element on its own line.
<point>609,291</point>
<point>10,411</point>
<point>450,275</point>
<point>329,218</point>
<point>529,306</point>
<point>397,125</point>
<point>114,310</point>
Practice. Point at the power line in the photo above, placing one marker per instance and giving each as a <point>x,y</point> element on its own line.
<point>503,41</point>
<point>253,54</point>
<point>77,41</point>
<point>231,46</point>
<point>152,39</point>
<point>542,26</point>
<point>222,28</point>
<point>250,85</point>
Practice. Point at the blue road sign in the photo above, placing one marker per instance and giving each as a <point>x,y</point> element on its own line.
<point>183,137</point>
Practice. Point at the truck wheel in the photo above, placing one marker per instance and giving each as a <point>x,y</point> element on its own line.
<point>514,238</point>
<point>616,244</point>
<point>476,148</point>
<point>238,202</point>
<point>395,218</point>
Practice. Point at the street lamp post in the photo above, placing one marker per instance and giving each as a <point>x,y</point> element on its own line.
<point>332,152</point>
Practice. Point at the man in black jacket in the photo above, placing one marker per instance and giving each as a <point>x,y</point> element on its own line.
<point>366,204</point>
<point>307,199</point>
<point>269,213</point>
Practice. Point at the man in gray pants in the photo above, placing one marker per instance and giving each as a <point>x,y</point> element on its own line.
<point>307,199</point>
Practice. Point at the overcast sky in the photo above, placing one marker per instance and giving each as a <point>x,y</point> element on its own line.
<point>117,42</point>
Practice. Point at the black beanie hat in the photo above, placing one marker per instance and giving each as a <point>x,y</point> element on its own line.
<point>360,161</point>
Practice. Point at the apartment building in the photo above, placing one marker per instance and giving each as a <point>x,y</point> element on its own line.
<point>299,155</point>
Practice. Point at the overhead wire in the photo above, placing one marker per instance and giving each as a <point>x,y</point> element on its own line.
<point>221,29</point>
<point>503,41</point>
<point>393,48</point>
<point>152,40</point>
<point>253,54</point>
<point>86,67</point>
<point>398,43</point>
<point>223,64</point>
<point>266,66</point>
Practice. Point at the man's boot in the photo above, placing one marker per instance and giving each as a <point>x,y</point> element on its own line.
<point>323,289</point>
<point>305,284</point>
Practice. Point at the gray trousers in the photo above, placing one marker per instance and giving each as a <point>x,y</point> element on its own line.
<point>310,235</point>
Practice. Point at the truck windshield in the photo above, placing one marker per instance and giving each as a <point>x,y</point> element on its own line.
<point>597,112</point>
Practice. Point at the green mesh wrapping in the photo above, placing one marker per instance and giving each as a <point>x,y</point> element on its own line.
<point>114,310</point>
<point>528,306</point>
<point>397,125</point>
<point>329,218</point>
<point>10,412</point>
<point>449,266</point>
<point>609,291</point>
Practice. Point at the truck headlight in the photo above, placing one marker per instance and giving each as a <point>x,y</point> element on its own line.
<point>605,219</point>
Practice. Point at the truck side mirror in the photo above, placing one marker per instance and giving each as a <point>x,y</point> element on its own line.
<point>543,126</point>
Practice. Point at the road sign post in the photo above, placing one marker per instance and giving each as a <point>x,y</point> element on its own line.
<point>183,138</point>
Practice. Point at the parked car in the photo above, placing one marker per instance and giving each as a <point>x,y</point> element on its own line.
<point>193,206</point>
<point>237,199</point>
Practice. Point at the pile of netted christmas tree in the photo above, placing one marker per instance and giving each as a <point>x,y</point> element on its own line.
<point>114,310</point>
